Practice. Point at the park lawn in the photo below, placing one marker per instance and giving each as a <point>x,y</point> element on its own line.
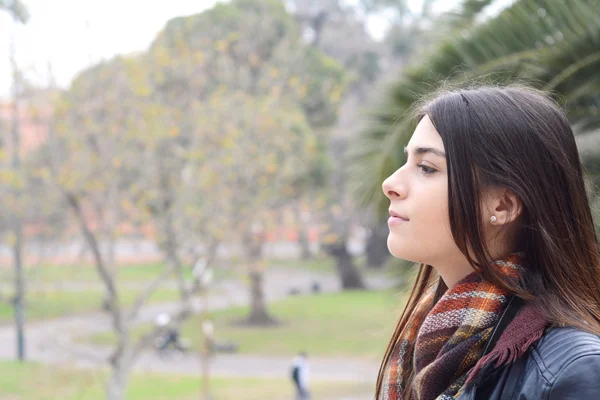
<point>53,273</point>
<point>46,304</point>
<point>350,324</point>
<point>31,381</point>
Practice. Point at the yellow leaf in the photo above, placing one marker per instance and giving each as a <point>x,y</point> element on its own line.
<point>335,95</point>
<point>228,160</point>
<point>173,131</point>
<point>221,45</point>
<point>228,142</point>
<point>11,239</point>
<point>199,57</point>
<point>271,168</point>
<point>302,90</point>
<point>294,81</point>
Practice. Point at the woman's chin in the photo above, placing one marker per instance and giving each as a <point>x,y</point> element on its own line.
<point>398,248</point>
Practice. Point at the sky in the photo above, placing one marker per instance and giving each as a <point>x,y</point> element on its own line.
<point>71,35</point>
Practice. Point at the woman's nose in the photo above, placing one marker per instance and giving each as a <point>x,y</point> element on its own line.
<point>392,188</point>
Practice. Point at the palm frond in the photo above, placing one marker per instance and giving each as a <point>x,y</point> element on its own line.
<point>546,43</point>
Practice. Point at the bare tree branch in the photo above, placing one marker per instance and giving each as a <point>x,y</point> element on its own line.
<point>143,297</point>
<point>105,274</point>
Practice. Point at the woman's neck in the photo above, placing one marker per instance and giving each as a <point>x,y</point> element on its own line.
<point>454,271</point>
<point>451,275</point>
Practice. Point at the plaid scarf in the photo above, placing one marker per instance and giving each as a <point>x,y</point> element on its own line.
<point>443,342</point>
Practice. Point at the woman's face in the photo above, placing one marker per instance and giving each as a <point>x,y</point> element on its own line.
<point>418,192</point>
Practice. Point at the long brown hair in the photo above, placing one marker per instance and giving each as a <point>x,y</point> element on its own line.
<point>519,139</point>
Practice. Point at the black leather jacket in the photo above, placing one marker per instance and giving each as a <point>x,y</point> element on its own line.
<point>564,364</point>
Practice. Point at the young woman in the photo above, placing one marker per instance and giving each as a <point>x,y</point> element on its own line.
<point>492,203</point>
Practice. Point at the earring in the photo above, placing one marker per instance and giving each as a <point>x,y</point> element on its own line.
<point>493,219</point>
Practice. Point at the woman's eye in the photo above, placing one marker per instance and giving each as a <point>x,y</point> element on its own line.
<point>425,169</point>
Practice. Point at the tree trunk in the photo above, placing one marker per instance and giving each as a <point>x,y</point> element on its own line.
<point>303,224</point>
<point>112,297</point>
<point>376,248</point>
<point>349,275</point>
<point>304,243</point>
<point>259,316</point>
<point>17,228</point>
<point>117,383</point>
<point>111,224</point>
<point>172,257</point>
<point>112,220</point>
<point>119,361</point>
<point>164,214</point>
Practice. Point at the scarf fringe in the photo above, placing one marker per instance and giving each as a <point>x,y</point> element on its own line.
<point>505,356</point>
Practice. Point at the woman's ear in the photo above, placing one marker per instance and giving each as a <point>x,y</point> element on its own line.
<point>502,206</point>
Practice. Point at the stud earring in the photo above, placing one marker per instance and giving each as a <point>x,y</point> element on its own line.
<point>493,219</point>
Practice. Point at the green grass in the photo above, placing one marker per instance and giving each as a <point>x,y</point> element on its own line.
<point>56,274</point>
<point>50,300</point>
<point>351,324</point>
<point>47,304</point>
<point>31,381</point>
<point>52,273</point>
<point>46,296</point>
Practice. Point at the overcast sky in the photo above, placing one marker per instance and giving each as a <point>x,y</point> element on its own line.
<point>72,34</point>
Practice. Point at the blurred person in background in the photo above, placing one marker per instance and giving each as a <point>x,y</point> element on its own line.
<point>492,203</point>
<point>300,376</point>
<point>170,337</point>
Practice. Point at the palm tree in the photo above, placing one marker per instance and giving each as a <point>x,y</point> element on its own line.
<point>551,44</point>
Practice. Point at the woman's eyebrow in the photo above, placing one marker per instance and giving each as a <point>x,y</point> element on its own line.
<point>425,150</point>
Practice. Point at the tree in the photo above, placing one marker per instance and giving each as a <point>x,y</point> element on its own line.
<point>19,13</point>
<point>106,131</point>
<point>262,148</point>
<point>342,35</point>
<point>222,97</point>
<point>549,44</point>
<point>247,55</point>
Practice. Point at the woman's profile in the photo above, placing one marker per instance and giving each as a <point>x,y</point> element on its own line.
<point>492,203</point>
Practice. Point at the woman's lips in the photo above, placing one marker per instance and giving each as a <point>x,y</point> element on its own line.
<point>396,221</point>
<point>396,218</point>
